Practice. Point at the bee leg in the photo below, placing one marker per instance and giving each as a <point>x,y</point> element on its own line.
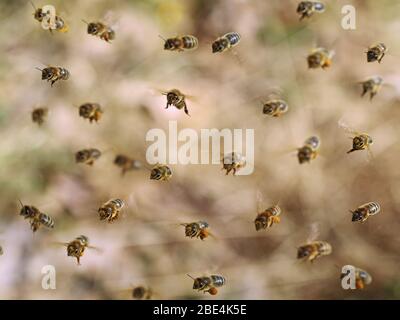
<point>372,94</point>
<point>380,59</point>
<point>167,106</point>
<point>90,163</point>
<point>186,110</point>
<point>364,92</point>
<point>52,82</point>
<point>78,260</point>
<point>234,171</point>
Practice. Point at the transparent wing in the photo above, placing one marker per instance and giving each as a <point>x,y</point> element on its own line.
<point>343,125</point>
<point>314,232</point>
<point>259,199</point>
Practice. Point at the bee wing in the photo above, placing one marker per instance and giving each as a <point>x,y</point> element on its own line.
<point>99,250</point>
<point>370,155</point>
<point>259,199</point>
<point>343,125</point>
<point>314,232</point>
<point>56,243</point>
<point>111,20</point>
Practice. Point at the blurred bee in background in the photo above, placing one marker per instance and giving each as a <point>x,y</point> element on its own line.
<point>362,213</point>
<point>208,283</point>
<point>87,156</point>
<point>309,150</point>
<point>314,249</point>
<point>36,218</point>
<point>54,74</point>
<point>1,251</point>
<point>142,293</point>
<point>100,30</point>
<point>320,58</point>
<point>177,99</point>
<point>376,52</point>
<point>363,278</point>
<point>275,107</point>
<point>44,16</point>
<point>196,229</point>
<point>371,85</point>
<point>160,172</point>
<point>91,111</point>
<point>76,247</point>
<point>233,162</point>
<point>126,163</point>
<point>110,210</point>
<point>361,141</point>
<point>227,41</point>
<point>307,8</point>
<point>39,115</point>
<point>266,218</point>
<point>181,43</point>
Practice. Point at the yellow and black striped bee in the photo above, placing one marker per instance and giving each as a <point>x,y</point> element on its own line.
<point>196,229</point>
<point>309,150</point>
<point>320,58</point>
<point>100,30</point>
<point>226,42</point>
<point>76,247</point>
<point>177,99</point>
<point>275,107</point>
<point>91,111</point>
<point>233,161</point>
<point>42,15</point>
<point>362,213</point>
<point>208,284</point>
<point>87,156</point>
<point>36,217</point>
<point>160,172</point>
<point>307,8</point>
<point>363,278</point>
<point>267,218</point>
<point>371,85</point>
<point>181,43</point>
<point>314,249</point>
<point>361,141</point>
<point>126,163</point>
<point>110,210</point>
<point>39,115</point>
<point>54,74</point>
<point>142,293</point>
<point>376,52</point>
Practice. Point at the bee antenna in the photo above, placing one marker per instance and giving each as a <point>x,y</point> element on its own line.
<point>84,21</point>
<point>190,276</point>
<point>21,202</point>
<point>32,4</point>
<point>160,36</point>
<point>38,69</point>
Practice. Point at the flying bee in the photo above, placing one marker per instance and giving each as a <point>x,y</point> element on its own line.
<point>126,163</point>
<point>39,115</point>
<point>320,58</point>
<point>376,52</point>
<point>142,293</point>
<point>361,141</point>
<point>160,172</point>
<point>309,150</point>
<point>371,85</point>
<point>177,99</point>
<point>91,111</point>
<point>227,41</point>
<point>313,250</point>
<point>100,30</point>
<point>41,15</point>
<point>110,211</point>
<point>233,162</point>
<point>54,74</point>
<point>362,213</point>
<point>307,8</point>
<point>87,156</point>
<point>181,43</point>
<point>275,107</point>
<point>76,247</point>
<point>196,229</point>
<point>362,277</point>
<point>35,217</point>
<point>208,284</point>
<point>268,217</point>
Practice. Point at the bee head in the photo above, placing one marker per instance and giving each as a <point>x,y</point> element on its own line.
<point>120,160</point>
<point>371,56</point>
<point>268,109</point>
<point>80,156</point>
<point>199,283</point>
<point>39,14</point>
<point>357,216</point>
<point>303,252</point>
<point>302,7</point>
<point>92,28</point>
<point>314,61</point>
<point>260,223</point>
<point>138,292</point>
<point>27,212</point>
<point>155,174</point>
<point>219,45</point>
<point>72,251</point>
<point>304,154</point>
<point>47,73</point>
<point>171,44</point>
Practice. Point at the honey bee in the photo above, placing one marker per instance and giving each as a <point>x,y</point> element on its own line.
<point>307,8</point>
<point>227,41</point>
<point>320,58</point>
<point>77,247</point>
<point>100,30</point>
<point>126,163</point>
<point>39,115</point>
<point>363,212</point>
<point>313,250</point>
<point>41,15</point>
<point>177,99</point>
<point>87,156</point>
<point>160,172</point>
<point>233,162</point>
<point>376,52</point>
<point>208,284</point>
<point>309,150</point>
<point>142,293</point>
<point>181,43</point>
<point>363,278</point>
<point>54,74</point>
<point>268,217</point>
<point>110,210</point>
<point>361,141</point>
<point>36,218</point>
<point>91,111</point>
<point>196,229</point>
<point>371,85</point>
<point>275,107</point>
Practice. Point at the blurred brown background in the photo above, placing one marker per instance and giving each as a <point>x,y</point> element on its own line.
<point>146,247</point>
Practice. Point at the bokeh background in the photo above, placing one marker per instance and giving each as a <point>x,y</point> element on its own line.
<point>147,246</point>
